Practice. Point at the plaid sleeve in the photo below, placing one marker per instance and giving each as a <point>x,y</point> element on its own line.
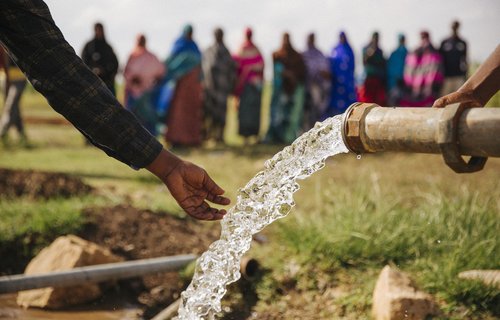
<point>52,66</point>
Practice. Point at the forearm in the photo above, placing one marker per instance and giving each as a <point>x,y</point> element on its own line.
<point>53,68</point>
<point>484,83</point>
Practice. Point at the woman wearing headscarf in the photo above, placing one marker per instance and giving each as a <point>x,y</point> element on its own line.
<point>287,101</point>
<point>249,83</point>
<point>180,97</point>
<point>343,92</point>
<point>395,72</point>
<point>423,74</point>
<point>142,71</point>
<point>373,89</point>
<point>317,83</point>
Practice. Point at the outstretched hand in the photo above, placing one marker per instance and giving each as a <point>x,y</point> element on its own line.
<point>190,186</point>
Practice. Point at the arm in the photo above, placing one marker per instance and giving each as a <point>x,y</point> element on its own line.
<point>480,87</point>
<point>53,68</point>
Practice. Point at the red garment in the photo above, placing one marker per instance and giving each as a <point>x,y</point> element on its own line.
<point>184,119</point>
<point>373,91</point>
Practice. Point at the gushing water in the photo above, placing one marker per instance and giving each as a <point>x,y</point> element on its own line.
<point>265,198</point>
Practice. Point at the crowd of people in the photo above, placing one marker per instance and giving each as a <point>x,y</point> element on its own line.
<point>186,96</point>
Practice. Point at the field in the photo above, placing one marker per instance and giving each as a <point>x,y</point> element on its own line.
<point>321,262</point>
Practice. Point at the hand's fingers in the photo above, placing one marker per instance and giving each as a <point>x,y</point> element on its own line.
<point>457,97</point>
<point>205,212</point>
<point>218,199</point>
<point>211,186</point>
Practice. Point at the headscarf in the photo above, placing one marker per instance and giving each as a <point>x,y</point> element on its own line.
<point>184,42</point>
<point>292,62</point>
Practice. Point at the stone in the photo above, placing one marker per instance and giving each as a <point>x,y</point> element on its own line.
<point>65,253</point>
<point>488,277</point>
<point>396,297</point>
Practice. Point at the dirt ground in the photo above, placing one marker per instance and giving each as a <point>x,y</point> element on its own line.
<point>36,184</point>
<point>139,234</point>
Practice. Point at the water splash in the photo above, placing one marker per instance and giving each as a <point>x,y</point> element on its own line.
<point>266,197</point>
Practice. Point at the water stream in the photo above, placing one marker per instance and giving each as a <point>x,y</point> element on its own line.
<point>266,197</point>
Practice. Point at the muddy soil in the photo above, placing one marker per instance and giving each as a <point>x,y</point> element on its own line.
<point>36,184</point>
<point>139,234</point>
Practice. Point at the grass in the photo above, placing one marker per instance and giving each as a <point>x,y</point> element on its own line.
<point>351,218</point>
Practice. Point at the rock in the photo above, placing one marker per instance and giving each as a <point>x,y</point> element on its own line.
<point>65,253</point>
<point>488,277</point>
<point>395,297</point>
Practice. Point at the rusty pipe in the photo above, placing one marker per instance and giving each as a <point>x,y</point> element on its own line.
<point>452,131</point>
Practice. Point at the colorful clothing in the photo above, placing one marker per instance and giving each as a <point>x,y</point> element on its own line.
<point>219,77</point>
<point>317,86</point>
<point>423,77</point>
<point>250,72</point>
<point>396,66</point>
<point>287,101</point>
<point>395,73</point>
<point>373,89</point>
<point>142,72</point>
<point>343,92</point>
<point>180,96</point>
<point>69,86</point>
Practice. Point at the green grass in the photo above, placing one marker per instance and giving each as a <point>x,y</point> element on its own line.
<point>351,218</point>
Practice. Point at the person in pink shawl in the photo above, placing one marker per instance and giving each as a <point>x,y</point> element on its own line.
<point>142,72</point>
<point>423,75</point>
<point>250,78</point>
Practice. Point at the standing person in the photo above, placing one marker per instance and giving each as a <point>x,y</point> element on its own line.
<point>395,72</point>
<point>142,71</point>
<point>423,74</point>
<point>317,83</point>
<point>343,92</point>
<point>249,85</point>
<point>219,77</point>
<point>183,79</point>
<point>454,53</point>
<point>73,90</point>
<point>373,89</point>
<point>3,72</point>
<point>11,115</point>
<point>287,101</point>
<point>100,57</point>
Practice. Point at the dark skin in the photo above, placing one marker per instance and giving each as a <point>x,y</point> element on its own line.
<point>479,88</point>
<point>190,186</point>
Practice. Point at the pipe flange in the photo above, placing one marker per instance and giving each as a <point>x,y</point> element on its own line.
<point>450,146</point>
<point>352,124</point>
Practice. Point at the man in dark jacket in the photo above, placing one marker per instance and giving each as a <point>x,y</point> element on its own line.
<point>100,58</point>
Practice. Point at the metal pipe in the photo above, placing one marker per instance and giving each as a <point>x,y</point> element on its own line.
<point>452,131</point>
<point>96,273</point>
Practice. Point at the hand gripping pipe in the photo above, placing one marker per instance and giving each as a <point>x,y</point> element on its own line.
<point>452,131</point>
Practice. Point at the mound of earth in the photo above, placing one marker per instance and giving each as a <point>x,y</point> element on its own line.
<point>36,184</point>
<point>141,234</point>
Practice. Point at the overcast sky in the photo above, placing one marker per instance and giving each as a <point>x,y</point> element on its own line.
<point>162,21</point>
